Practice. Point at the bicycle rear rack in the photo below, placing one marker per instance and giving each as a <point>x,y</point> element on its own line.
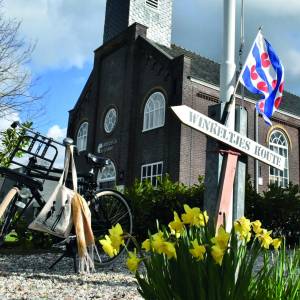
<point>39,151</point>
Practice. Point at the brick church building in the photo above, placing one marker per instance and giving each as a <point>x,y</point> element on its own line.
<point>124,112</point>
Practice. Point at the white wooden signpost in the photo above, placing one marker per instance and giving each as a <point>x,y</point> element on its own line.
<point>227,136</point>
<point>235,140</point>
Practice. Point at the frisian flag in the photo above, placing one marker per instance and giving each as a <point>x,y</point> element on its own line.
<point>263,74</point>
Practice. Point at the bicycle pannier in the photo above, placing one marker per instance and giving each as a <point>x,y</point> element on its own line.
<point>56,216</point>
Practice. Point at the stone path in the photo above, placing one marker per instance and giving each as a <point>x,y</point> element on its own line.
<point>28,277</point>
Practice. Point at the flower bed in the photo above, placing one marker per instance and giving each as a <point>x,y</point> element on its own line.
<point>190,259</point>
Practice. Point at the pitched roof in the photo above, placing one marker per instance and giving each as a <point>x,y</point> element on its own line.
<point>209,71</point>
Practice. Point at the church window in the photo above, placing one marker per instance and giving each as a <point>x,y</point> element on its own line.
<point>152,172</point>
<point>110,120</point>
<point>152,3</point>
<point>107,176</point>
<point>82,135</point>
<point>279,144</point>
<point>154,113</point>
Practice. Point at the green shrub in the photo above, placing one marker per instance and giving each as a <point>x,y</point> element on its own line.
<point>28,239</point>
<point>151,203</point>
<point>277,208</point>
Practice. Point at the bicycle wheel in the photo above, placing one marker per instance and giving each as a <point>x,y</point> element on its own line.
<point>109,208</point>
<point>8,213</point>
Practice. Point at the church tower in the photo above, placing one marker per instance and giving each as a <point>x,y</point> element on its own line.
<point>154,14</point>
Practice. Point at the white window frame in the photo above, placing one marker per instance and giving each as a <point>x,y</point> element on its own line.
<point>282,148</point>
<point>107,178</point>
<point>82,136</point>
<point>151,176</point>
<point>154,117</point>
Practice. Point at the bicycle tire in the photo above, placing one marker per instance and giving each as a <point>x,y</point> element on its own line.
<point>7,218</point>
<point>109,208</point>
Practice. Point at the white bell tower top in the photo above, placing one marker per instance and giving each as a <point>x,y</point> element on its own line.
<point>155,14</point>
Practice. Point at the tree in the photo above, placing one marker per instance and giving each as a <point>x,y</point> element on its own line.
<point>16,81</point>
<point>9,141</point>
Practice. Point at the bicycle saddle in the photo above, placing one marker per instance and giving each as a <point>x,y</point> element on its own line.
<point>22,178</point>
<point>97,161</point>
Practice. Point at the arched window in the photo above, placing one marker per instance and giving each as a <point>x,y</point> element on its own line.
<point>278,143</point>
<point>107,176</point>
<point>82,135</point>
<point>154,113</point>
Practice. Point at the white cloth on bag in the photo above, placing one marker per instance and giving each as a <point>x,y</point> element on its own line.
<point>56,216</point>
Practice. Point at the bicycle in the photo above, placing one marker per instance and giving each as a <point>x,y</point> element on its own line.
<point>108,207</point>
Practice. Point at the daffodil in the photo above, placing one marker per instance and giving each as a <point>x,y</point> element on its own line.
<point>133,261</point>
<point>168,249</point>
<point>256,226</point>
<point>217,254</point>
<point>221,239</point>
<point>193,216</point>
<point>243,227</point>
<point>198,251</point>
<point>264,238</point>
<point>116,237</point>
<point>107,246</point>
<point>203,218</point>
<point>146,245</point>
<point>276,243</point>
<point>160,245</point>
<point>176,226</point>
<point>157,241</point>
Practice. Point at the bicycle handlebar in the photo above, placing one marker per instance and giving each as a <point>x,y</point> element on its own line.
<point>66,142</point>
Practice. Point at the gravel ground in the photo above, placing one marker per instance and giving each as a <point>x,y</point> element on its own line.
<point>28,277</point>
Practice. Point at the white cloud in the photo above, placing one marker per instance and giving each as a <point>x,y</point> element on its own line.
<point>66,31</point>
<point>7,120</point>
<point>58,134</point>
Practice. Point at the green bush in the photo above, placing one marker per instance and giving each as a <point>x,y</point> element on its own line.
<point>28,239</point>
<point>151,203</point>
<point>278,208</point>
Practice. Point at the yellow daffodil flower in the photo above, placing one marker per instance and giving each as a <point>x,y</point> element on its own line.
<point>116,237</point>
<point>203,218</point>
<point>276,243</point>
<point>198,251</point>
<point>265,239</point>
<point>221,239</point>
<point>256,226</point>
<point>146,245</point>
<point>217,254</point>
<point>193,216</point>
<point>243,228</point>
<point>157,241</point>
<point>133,261</point>
<point>160,245</point>
<point>176,226</point>
<point>168,249</point>
<point>107,246</point>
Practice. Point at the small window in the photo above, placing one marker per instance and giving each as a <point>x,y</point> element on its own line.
<point>152,3</point>
<point>279,144</point>
<point>154,113</point>
<point>82,135</point>
<point>152,172</point>
<point>107,176</point>
<point>110,120</point>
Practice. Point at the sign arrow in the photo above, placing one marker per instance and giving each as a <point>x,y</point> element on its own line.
<point>218,131</point>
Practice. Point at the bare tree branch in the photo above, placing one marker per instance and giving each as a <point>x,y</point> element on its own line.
<point>16,82</point>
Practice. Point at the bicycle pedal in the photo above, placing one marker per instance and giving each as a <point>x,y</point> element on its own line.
<point>20,204</point>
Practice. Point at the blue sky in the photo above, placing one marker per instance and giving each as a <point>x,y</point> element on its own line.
<point>67,31</point>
